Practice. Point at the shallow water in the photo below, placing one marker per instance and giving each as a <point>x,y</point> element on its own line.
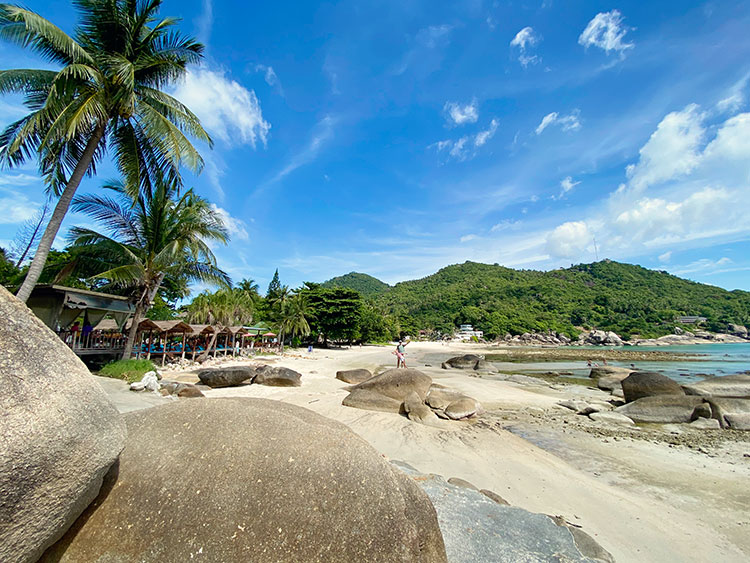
<point>715,359</point>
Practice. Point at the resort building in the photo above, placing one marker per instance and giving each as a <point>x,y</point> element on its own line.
<point>467,332</point>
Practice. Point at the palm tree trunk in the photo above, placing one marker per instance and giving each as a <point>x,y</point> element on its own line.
<point>204,356</point>
<point>281,341</point>
<point>40,257</point>
<point>137,318</point>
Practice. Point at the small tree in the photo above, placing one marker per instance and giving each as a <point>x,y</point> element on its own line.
<point>223,308</point>
<point>294,318</point>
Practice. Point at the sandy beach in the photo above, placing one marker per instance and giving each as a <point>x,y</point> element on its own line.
<point>645,494</point>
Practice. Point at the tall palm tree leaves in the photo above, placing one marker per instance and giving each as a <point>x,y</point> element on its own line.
<point>112,70</point>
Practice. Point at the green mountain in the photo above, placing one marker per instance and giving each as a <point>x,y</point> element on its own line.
<point>364,284</point>
<point>627,299</point>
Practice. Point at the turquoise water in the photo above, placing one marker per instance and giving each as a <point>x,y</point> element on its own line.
<point>714,359</point>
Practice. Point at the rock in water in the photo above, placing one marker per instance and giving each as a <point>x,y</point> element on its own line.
<point>353,376</point>
<point>278,377</point>
<point>398,384</point>
<point>309,490</point>
<point>664,409</point>
<point>648,384</point>
<point>733,386</point>
<point>227,377</point>
<point>467,361</point>
<point>60,434</point>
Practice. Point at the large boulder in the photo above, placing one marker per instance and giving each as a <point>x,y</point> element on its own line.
<point>609,384</point>
<point>277,376</point>
<point>467,361</point>
<point>372,401</point>
<point>398,384</point>
<point>465,407</point>
<point>648,384</point>
<point>735,386</point>
<point>665,409</point>
<point>353,376</point>
<point>227,377</point>
<point>610,372</point>
<point>417,411</point>
<point>310,490</point>
<point>737,330</point>
<point>60,434</point>
<point>440,398</point>
<point>729,412</point>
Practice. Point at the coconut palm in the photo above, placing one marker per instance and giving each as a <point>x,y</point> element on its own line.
<point>223,308</point>
<point>153,236</point>
<point>293,320</point>
<point>108,93</point>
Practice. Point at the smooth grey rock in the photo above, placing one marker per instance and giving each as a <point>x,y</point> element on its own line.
<point>463,408</point>
<point>467,361</point>
<point>576,405</point>
<point>371,401</point>
<point>641,384</point>
<point>439,398</point>
<point>458,482</point>
<point>353,376</point>
<point>612,418</point>
<point>417,411</point>
<point>610,372</point>
<point>189,392</point>
<point>738,421</point>
<point>310,490</point>
<point>494,497</point>
<point>609,384</point>
<point>227,377</point>
<point>732,386</point>
<point>706,424</point>
<point>477,529</point>
<point>664,409</point>
<point>723,407</point>
<point>398,384</point>
<point>277,376</point>
<point>60,434</point>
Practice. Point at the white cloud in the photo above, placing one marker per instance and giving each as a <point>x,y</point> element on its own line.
<point>236,227</point>
<point>467,238</point>
<point>433,35</point>
<point>16,207</point>
<point>566,185</point>
<point>323,133</point>
<point>569,240</point>
<point>666,257</point>
<point>704,266</point>
<point>466,147</point>
<point>606,31</point>
<point>569,122</point>
<point>18,179</point>
<point>504,225</point>
<point>459,115</point>
<point>483,136</point>
<point>525,39</point>
<point>226,109</point>
<point>672,150</point>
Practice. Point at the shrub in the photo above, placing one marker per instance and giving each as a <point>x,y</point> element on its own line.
<point>127,370</point>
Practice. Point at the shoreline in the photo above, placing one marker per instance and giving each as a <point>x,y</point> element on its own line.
<point>645,494</point>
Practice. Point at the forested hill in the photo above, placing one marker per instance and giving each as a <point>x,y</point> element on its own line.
<point>364,284</point>
<point>608,295</point>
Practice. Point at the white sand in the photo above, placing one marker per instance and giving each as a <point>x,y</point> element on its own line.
<point>642,501</point>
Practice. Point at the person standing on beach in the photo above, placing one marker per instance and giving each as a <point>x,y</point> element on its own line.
<point>401,354</point>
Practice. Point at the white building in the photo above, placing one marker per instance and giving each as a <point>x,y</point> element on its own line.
<point>466,332</point>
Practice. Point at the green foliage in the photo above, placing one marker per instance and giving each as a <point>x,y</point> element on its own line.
<point>274,286</point>
<point>334,312</point>
<point>627,299</point>
<point>10,276</point>
<point>161,310</point>
<point>127,370</point>
<point>366,285</point>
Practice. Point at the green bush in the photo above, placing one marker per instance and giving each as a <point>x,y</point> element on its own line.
<point>127,370</point>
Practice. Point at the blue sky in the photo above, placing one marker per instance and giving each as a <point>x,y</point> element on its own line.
<point>395,138</point>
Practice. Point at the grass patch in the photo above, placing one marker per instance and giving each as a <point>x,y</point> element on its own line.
<point>127,370</point>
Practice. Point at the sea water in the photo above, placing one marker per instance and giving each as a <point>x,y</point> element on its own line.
<point>708,360</point>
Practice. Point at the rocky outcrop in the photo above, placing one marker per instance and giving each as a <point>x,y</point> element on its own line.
<point>417,411</point>
<point>397,384</point>
<point>612,418</point>
<point>602,338</point>
<point>311,490</point>
<point>467,361</point>
<point>439,398</point>
<point>610,384</point>
<point>735,386</point>
<point>666,409</point>
<point>641,384</point>
<point>737,330</point>
<point>353,376</point>
<point>610,372</point>
<point>227,377</point>
<point>465,407</point>
<point>549,338</point>
<point>729,412</point>
<point>277,376</point>
<point>369,400</point>
<point>60,434</point>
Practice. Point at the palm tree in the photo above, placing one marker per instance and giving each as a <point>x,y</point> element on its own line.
<point>152,236</point>
<point>226,307</point>
<point>107,94</point>
<point>293,318</point>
